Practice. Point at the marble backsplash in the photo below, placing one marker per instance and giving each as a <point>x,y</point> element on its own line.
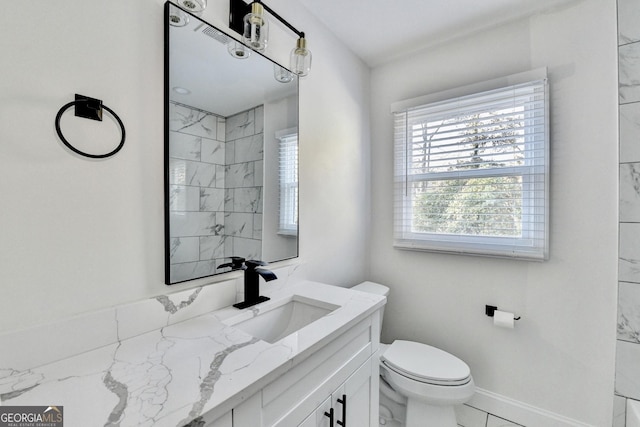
<point>215,177</point>
<point>43,344</point>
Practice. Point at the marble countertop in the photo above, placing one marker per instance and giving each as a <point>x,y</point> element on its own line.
<point>172,375</point>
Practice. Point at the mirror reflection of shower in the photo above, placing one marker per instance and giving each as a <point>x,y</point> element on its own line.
<point>226,105</point>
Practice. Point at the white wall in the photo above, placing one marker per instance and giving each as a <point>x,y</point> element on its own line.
<point>77,235</point>
<point>560,357</point>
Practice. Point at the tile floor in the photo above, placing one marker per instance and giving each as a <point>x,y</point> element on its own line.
<point>468,416</point>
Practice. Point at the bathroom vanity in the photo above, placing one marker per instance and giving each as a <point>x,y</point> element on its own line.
<point>337,381</point>
<point>286,362</point>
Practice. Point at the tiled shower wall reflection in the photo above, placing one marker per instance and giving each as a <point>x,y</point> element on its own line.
<point>244,154</point>
<point>215,178</point>
<point>628,344</point>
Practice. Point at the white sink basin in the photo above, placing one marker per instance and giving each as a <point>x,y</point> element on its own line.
<point>276,320</point>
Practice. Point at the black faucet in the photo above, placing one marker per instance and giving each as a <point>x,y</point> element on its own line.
<point>253,269</point>
<point>237,263</point>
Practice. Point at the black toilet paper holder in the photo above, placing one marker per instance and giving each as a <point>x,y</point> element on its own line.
<point>490,311</point>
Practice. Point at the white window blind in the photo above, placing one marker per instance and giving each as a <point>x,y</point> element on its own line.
<point>288,181</point>
<point>471,173</point>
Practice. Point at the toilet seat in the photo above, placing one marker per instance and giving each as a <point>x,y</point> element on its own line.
<point>425,364</point>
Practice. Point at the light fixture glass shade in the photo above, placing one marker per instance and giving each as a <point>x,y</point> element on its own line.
<point>181,90</point>
<point>281,74</point>
<point>301,58</point>
<point>238,50</point>
<point>256,28</point>
<point>177,17</point>
<point>194,6</point>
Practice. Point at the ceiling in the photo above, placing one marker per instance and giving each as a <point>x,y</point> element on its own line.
<point>379,31</point>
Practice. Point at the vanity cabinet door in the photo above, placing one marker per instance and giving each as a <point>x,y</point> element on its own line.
<point>224,421</point>
<point>318,417</point>
<point>310,421</point>
<point>355,399</point>
<point>249,413</point>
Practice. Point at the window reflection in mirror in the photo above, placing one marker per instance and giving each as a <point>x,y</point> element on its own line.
<point>288,181</point>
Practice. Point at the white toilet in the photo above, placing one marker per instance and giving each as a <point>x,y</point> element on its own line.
<point>419,384</point>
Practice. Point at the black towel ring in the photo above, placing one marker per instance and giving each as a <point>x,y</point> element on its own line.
<point>89,108</point>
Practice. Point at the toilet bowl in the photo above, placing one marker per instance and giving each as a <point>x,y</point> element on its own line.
<point>393,406</point>
<point>419,384</point>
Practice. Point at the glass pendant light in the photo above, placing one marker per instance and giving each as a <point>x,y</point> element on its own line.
<point>256,28</point>
<point>177,17</point>
<point>281,74</point>
<point>238,50</point>
<point>301,58</point>
<point>194,6</point>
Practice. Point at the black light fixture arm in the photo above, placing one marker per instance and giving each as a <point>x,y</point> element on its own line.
<point>280,18</point>
<point>238,9</point>
<point>247,20</point>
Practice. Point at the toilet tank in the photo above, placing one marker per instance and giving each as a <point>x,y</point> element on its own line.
<point>373,288</point>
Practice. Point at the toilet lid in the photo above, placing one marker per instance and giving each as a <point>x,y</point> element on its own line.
<point>425,363</point>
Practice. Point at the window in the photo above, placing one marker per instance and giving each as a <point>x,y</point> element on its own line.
<point>288,180</point>
<point>471,171</point>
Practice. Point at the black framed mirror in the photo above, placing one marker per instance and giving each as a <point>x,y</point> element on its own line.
<point>231,144</point>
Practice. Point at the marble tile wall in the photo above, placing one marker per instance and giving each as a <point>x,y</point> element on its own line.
<point>627,382</point>
<point>197,192</point>
<point>215,174</point>
<point>244,159</point>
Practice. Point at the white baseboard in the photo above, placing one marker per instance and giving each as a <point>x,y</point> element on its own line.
<point>519,412</point>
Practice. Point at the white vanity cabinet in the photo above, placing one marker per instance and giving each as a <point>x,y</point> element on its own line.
<point>351,405</point>
<point>224,421</point>
<point>346,366</point>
